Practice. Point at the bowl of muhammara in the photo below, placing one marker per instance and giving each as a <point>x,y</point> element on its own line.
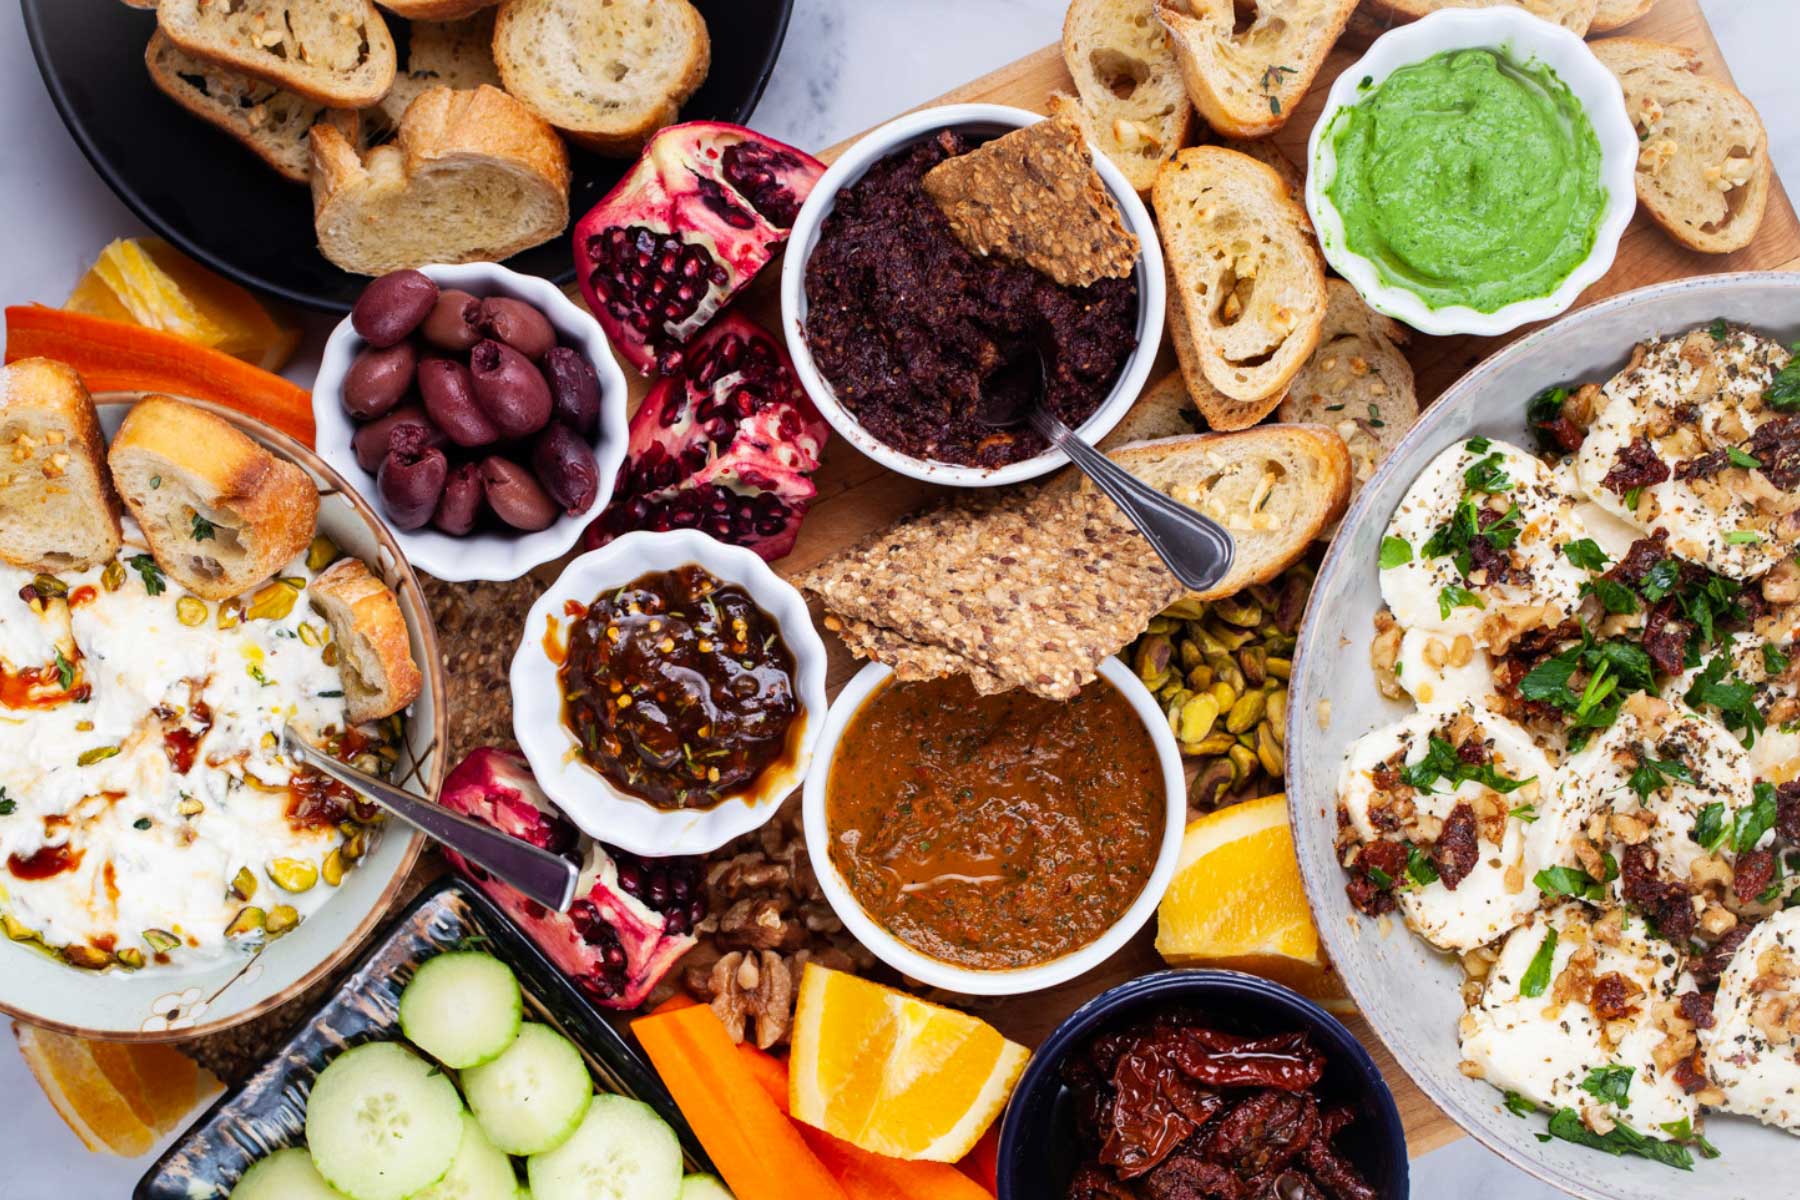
<point>931,280</point>
<point>994,844</point>
<point>668,692</point>
<point>1473,172</point>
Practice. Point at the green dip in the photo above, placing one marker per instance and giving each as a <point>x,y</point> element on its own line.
<point>1468,179</point>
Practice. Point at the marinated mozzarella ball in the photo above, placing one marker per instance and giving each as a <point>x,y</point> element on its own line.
<point>1469,877</point>
<point>1444,670</point>
<point>1753,1046</point>
<point>1768,660</point>
<point>1480,534</point>
<point>1577,991</point>
<point>1683,441</point>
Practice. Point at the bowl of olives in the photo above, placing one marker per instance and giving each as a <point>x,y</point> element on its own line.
<point>479,410</point>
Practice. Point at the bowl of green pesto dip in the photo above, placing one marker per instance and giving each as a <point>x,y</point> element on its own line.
<point>1473,172</point>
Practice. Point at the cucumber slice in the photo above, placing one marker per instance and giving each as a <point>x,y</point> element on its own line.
<point>480,1172</point>
<point>461,1008</point>
<point>622,1151</point>
<point>704,1187</point>
<point>284,1175</point>
<point>382,1123</point>
<point>534,1095</point>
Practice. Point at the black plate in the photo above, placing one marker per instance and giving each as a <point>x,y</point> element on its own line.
<point>201,190</point>
<point>268,1110</point>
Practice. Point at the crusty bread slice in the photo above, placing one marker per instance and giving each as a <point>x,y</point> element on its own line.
<point>1616,14</point>
<point>336,52</point>
<point>374,652</point>
<point>1357,382</point>
<point>1129,98</point>
<point>1164,410</point>
<point>1574,15</point>
<point>1703,171</point>
<point>436,10</point>
<point>1246,283</point>
<point>221,514</point>
<point>457,54</point>
<point>471,176</point>
<point>1246,74</point>
<point>1266,152</point>
<point>58,509</point>
<point>609,73</point>
<point>1274,488</point>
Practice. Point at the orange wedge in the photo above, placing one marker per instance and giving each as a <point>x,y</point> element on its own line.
<point>1237,902</point>
<point>117,1098</point>
<point>893,1075</point>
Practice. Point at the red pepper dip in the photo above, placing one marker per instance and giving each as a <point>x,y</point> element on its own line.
<point>678,688</point>
<point>995,832</point>
<point>910,327</point>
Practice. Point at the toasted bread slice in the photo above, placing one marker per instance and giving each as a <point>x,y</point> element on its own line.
<point>335,52</point>
<point>1574,15</point>
<point>58,509</point>
<point>1246,78</point>
<point>1357,382</point>
<point>1703,171</point>
<point>436,10</point>
<point>609,74</point>
<point>1616,14</point>
<point>374,651</point>
<point>1129,98</point>
<point>1266,152</point>
<point>1246,283</point>
<point>1274,488</point>
<point>221,514</point>
<point>471,177</point>
<point>456,55</point>
<point>1165,410</point>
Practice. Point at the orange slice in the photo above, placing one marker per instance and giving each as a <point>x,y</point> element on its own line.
<point>82,1094</point>
<point>1237,902</point>
<point>173,1083</point>
<point>893,1075</point>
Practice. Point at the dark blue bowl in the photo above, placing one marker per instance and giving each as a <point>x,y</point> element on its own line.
<point>1039,1147</point>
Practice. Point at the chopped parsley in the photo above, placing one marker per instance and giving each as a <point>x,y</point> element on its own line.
<point>1719,330</point>
<point>1478,445</point>
<point>1735,699</point>
<point>1710,830</point>
<point>1742,458</point>
<point>1621,1139</point>
<point>1652,775</point>
<point>1586,554</point>
<point>1456,537</point>
<point>1453,597</point>
<point>1488,475</point>
<point>1537,975</point>
<point>1632,496</point>
<point>1441,761</point>
<point>1576,883</point>
<point>256,672</point>
<point>1753,822</point>
<point>1519,1106</point>
<point>1743,537</point>
<point>1394,552</point>
<point>141,823</point>
<point>1614,596</point>
<point>1271,79</point>
<point>1784,391</point>
<point>203,529</point>
<point>155,482</point>
<point>1524,812</point>
<point>151,574</point>
<point>1381,877</point>
<point>1683,1131</point>
<point>1774,661</point>
<point>65,671</point>
<point>1543,411</point>
<point>1419,867</point>
<point>1660,580</point>
<point>1375,421</point>
<point>7,804</point>
<point>1615,668</point>
<point>1611,1084</point>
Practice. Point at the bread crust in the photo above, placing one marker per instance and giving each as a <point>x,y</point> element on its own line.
<point>436,10</point>
<point>1092,103</point>
<point>1221,70</point>
<point>364,613</point>
<point>186,24</point>
<point>1574,15</point>
<point>229,116</point>
<point>1616,14</point>
<point>53,391</point>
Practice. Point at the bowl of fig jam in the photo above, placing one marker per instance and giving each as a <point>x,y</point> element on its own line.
<point>668,691</point>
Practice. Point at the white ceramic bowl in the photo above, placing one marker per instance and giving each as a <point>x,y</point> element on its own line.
<point>483,555</point>
<point>964,980</point>
<point>1523,38</point>
<point>913,127</point>
<point>602,811</point>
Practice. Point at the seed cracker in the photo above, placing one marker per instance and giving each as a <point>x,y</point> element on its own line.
<point>1033,196</point>
<point>478,627</point>
<point>911,661</point>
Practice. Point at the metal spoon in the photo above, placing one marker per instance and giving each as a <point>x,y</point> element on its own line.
<point>545,877</point>
<point>1196,548</point>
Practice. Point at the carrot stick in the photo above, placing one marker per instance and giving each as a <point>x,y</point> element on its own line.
<point>113,356</point>
<point>760,1153</point>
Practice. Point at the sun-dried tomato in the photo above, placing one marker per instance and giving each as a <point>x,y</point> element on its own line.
<point>1368,897</point>
<point>1188,1176</point>
<point>1155,1107</point>
<point>1264,1132</point>
<point>1703,466</point>
<point>1457,850</point>
<point>1095,1183</point>
<point>1690,1073</point>
<point>1665,905</point>
<point>1333,1173</point>
<point>1611,997</point>
<point>1754,871</point>
<point>1642,555</point>
<point>1666,637</point>
<point>1567,435</point>
<point>1697,1008</point>
<point>1709,966</point>
<point>1776,445</point>
<point>1474,751</point>
<point>1637,466</point>
<point>1787,811</point>
<point>1287,1062</point>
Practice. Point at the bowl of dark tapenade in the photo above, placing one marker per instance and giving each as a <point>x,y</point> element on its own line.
<point>668,692</point>
<point>903,335</point>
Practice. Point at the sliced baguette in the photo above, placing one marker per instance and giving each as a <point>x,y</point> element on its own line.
<point>1703,171</point>
<point>1246,283</point>
<point>221,514</point>
<point>374,650</point>
<point>456,55</point>
<point>1357,382</point>
<point>1129,98</point>
<point>335,52</point>
<point>1164,410</point>
<point>470,177</point>
<point>1270,155</point>
<point>1247,78</point>
<point>609,73</point>
<point>1573,15</point>
<point>436,10</point>
<point>1616,14</point>
<point>1275,488</point>
<point>58,509</point>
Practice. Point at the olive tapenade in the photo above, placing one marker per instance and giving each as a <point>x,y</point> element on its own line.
<point>678,688</point>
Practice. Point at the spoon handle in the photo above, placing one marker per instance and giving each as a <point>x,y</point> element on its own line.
<point>1196,548</point>
<point>547,878</point>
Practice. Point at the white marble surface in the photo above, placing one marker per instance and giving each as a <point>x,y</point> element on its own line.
<point>847,65</point>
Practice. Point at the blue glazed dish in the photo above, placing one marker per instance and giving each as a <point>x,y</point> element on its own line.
<point>1039,1146</point>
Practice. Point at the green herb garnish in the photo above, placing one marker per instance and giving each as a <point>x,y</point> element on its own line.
<point>1586,554</point>
<point>1651,775</point>
<point>1537,975</point>
<point>1394,552</point>
<point>1622,1139</point>
<point>65,671</point>
<point>151,574</point>
<point>1453,597</point>
<point>1610,1084</point>
<point>1441,761</point>
<point>203,529</point>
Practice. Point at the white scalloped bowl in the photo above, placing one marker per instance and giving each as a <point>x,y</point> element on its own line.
<point>486,554</point>
<point>601,810</point>
<point>1523,38</point>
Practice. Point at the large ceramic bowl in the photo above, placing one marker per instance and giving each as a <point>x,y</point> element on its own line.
<point>987,120</point>
<point>166,1004</point>
<point>1406,990</point>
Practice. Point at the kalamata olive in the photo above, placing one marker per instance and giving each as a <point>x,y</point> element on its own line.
<point>454,323</point>
<point>565,466</point>
<point>393,306</point>
<point>517,324</point>
<point>371,441</point>
<point>449,394</point>
<point>378,379</point>
<point>460,506</point>
<point>515,496</point>
<point>574,390</point>
<point>511,391</point>
<point>411,478</point>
